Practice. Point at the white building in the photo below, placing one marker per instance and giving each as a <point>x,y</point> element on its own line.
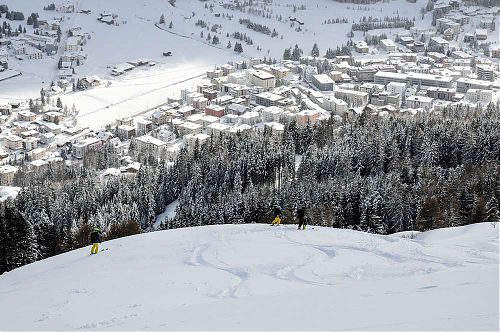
<point>464,84</point>
<point>268,99</point>
<point>485,72</point>
<point>250,118</point>
<point>322,82</point>
<point>352,98</point>
<point>388,45</point>
<point>361,47</point>
<point>7,173</point>
<point>165,134</point>
<point>309,72</point>
<point>479,96</point>
<point>190,128</point>
<point>143,126</point>
<point>386,77</point>
<point>270,114</point>
<point>30,143</point>
<point>481,34</point>
<point>81,148</point>
<point>32,53</point>
<point>47,138</point>
<point>419,102</point>
<point>191,139</point>
<point>150,144</point>
<point>263,79</point>
<point>13,142</point>
<point>429,80</point>
<point>19,48</point>
<point>396,88</point>
<point>216,129</point>
<point>438,44</point>
<point>239,129</point>
<point>239,77</point>
<point>207,120</point>
<point>335,105</point>
<point>276,128</point>
<point>72,44</point>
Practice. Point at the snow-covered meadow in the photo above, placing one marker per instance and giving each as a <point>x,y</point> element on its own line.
<point>253,277</point>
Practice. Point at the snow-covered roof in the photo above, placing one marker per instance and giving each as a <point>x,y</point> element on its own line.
<point>422,99</point>
<point>147,139</point>
<point>269,96</point>
<point>8,192</point>
<point>86,142</point>
<point>5,169</point>
<point>38,163</point>
<point>275,126</point>
<point>388,42</point>
<point>323,79</point>
<point>263,75</point>
<point>191,125</point>
<point>439,40</point>
<point>123,67</point>
<point>218,126</point>
<point>111,172</point>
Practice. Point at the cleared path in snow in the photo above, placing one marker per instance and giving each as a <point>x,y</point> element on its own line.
<point>145,94</point>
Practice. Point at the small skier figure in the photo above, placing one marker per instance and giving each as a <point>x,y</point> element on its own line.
<point>277,215</point>
<point>301,212</point>
<point>95,238</point>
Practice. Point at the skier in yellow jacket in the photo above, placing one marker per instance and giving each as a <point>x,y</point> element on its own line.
<point>278,216</point>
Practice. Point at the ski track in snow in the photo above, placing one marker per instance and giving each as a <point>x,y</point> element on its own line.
<point>186,279</point>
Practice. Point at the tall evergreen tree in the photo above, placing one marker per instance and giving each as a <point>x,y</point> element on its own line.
<point>315,50</point>
<point>18,245</point>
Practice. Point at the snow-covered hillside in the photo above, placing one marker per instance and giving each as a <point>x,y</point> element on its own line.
<point>260,277</point>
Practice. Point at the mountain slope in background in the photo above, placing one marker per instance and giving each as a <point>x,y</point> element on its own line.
<point>262,277</point>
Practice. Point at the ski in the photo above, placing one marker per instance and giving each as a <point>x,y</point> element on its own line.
<point>106,249</point>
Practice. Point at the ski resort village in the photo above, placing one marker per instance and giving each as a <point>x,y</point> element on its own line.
<point>453,63</point>
<point>163,137</point>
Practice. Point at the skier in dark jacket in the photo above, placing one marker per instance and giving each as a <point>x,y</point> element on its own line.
<point>278,216</point>
<point>301,217</point>
<point>95,238</point>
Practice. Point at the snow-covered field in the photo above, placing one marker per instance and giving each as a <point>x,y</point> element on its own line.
<point>253,277</point>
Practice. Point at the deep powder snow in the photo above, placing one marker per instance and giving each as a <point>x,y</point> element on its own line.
<point>260,277</point>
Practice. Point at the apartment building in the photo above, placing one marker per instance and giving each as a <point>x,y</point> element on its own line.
<point>352,98</point>
<point>419,102</point>
<point>268,99</point>
<point>322,82</point>
<point>479,96</point>
<point>485,72</point>
<point>335,105</point>
<point>83,147</point>
<point>464,84</point>
<point>150,144</point>
<point>263,79</point>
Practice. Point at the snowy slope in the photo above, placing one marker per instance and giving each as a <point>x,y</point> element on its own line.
<point>260,277</point>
